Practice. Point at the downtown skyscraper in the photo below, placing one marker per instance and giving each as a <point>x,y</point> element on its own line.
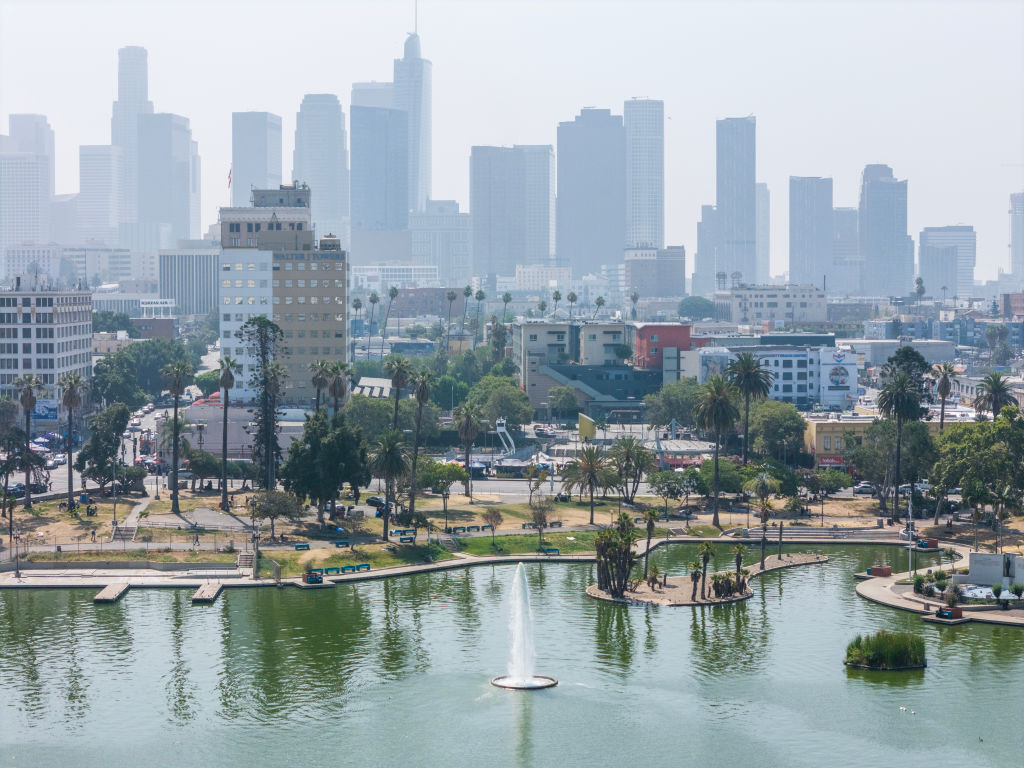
<point>320,159</point>
<point>885,247</point>
<point>1017,235</point>
<point>946,259</point>
<point>132,101</point>
<point>413,94</point>
<point>644,121</point>
<point>811,230</point>
<point>255,154</point>
<point>380,159</point>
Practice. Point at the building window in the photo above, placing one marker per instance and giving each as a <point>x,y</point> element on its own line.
<point>827,443</point>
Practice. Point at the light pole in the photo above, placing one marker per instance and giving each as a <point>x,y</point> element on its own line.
<point>17,552</point>
<point>444,500</point>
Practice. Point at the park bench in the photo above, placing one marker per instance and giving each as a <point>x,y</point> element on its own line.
<point>486,527</point>
<point>638,519</point>
<point>341,543</point>
<point>348,569</point>
<point>329,571</point>
<point>410,531</point>
<point>319,571</point>
<point>551,551</point>
<point>555,524</point>
<point>470,528</point>
<point>459,529</point>
<point>406,539</point>
<point>301,546</point>
<point>363,567</point>
<point>528,525</point>
<point>397,532</point>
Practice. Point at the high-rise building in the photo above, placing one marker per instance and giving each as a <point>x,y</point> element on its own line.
<point>33,135</point>
<point>937,267</point>
<point>255,154</point>
<point>190,277</point>
<point>413,94</point>
<point>656,272</point>
<point>763,255</point>
<point>811,230</point>
<point>1017,235</point>
<point>847,264</point>
<point>885,247</point>
<point>34,260</point>
<point>380,159</point>
<point>24,199</point>
<point>512,202</point>
<point>99,193</point>
<point>644,121</point>
<point>591,201</point>
<point>965,243</point>
<point>168,180</point>
<point>736,198</point>
<point>705,280</point>
<point>132,101</point>
<point>441,237</point>
<point>320,160</point>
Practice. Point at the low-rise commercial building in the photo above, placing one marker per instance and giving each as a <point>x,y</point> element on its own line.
<point>772,305</point>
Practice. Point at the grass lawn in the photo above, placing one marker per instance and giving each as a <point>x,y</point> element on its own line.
<point>581,541</point>
<point>159,556</point>
<point>185,504</point>
<point>704,531</point>
<point>295,563</point>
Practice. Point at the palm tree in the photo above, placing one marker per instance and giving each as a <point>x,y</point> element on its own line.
<point>572,298</point>
<point>374,299</point>
<point>556,296</point>
<point>421,383</point>
<point>694,579</point>
<point>754,382</point>
<point>900,400</point>
<point>650,518</point>
<point>945,373</point>
<point>543,307</point>
<point>388,460</point>
<point>993,394</point>
<point>479,296</point>
<point>320,378</point>
<point>228,367</point>
<point>763,486</point>
<point>739,551</point>
<point>177,376</point>
<point>400,370</point>
<point>28,387</point>
<point>586,473</point>
<point>467,294</point>
<point>706,550</point>
<point>505,299</point>
<point>357,305</point>
<point>634,297</point>
<point>716,412</point>
<point>392,295</point>
<point>766,513</point>
<point>337,384</point>
<point>451,296</point>
<point>73,387</point>
<point>598,303</point>
<point>468,422</point>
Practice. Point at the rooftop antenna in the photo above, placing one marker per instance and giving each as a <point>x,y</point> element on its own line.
<point>415,17</point>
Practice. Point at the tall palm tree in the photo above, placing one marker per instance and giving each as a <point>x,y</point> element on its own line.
<point>944,375</point>
<point>479,296</point>
<point>73,387</point>
<point>739,551</point>
<point>694,579</point>
<point>320,378</point>
<point>587,473</point>
<point>505,299</point>
<point>388,460</point>
<point>468,423</point>
<point>177,376</point>
<point>716,412</point>
<point>400,370</point>
<point>634,297</point>
<point>374,300</point>
<point>706,550</point>
<point>28,386</point>
<point>542,306</point>
<point>763,486</point>
<point>572,298</point>
<point>993,394</point>
<point>392,295</point>
<point>337,384</point>
<point>421,383</point>
<point>357,305</point>
<point>766,513</point>
<point>598,303</point>
<point>754,382</point>
<point>467,294</point>
<point>556,296</point>
<point>650,518</point>
<point>228,368</point>
<point>451,296</point>
<point>899,400</point>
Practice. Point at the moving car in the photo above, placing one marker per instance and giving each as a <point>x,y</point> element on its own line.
<point>61,459</point>
<point>866,489</point>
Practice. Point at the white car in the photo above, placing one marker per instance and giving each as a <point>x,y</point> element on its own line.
<point>61,459</point>
<point>51,464</point>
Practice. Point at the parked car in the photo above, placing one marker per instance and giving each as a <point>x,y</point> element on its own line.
<point>866,489</point>
<point>61,459</point>
<point>39,487</point>
<point>51,464</point>
<point>375,501</point>
<point>921,487</point>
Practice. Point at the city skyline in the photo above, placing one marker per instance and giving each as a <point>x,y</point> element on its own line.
<point>954,177</point>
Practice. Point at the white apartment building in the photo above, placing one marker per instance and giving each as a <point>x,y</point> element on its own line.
<point>778,305</point>
<point>245,292</point>
<point>380,277</point>
<point>24,199</point>
<point>33,260</point>
<point>46,332</point>
<point>541,277</point>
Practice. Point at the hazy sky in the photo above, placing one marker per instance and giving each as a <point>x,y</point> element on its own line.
<point>934,89</point>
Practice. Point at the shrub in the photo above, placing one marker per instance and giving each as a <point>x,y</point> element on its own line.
<point>997,590</point>
<point>940,585</point>
<point>929,590</point>
<point>1018,589</point>
<point>952,594</point>
<point>886,650</point>
<point>919,584</point>
<point>940,575</point>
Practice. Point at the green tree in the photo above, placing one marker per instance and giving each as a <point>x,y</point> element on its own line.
<point>440,477</point>
<point>95,461</point>
<point>754,382</point>
<point>900,400</point>
<point>338,384</point>
<point>468,422</point>
<point>112,322</point>
<point>716,413</point>
<point>777,430</point>
<point>668,484</point>
<point>177,376</point>
<point>499,397</point>
<point>696,307</point>
<point>319,377</point>
<point>467,294</point>
<point>763,486</point>
<point>616,556</point>
<point>374,300</point>
<point>587,473</point>
<point>264,340</point>
<point>944,375</point>
<point>738,551</point>
<point>421,393</point>
<point>28,386</point>
<point>994,394</point>
<point>202,464</point>
<point>73,388</point>
<point>562,400</point>
<point>479,297</point>
<point>629,461</point>
<point>447,392</point>
<point>115,380</point>
<point>650,520</point>
<point>400,370</point>
<point>572,298</point>
<point>228,368</point>
<point>493,518</point>
<point>706,550</point>
<point>271,505</point>
<point>451,296</point>
<point>389,460</point>
<point>506,298</point>
<point>675,401</point>
<point>392,295</point>
<point>208,382</point>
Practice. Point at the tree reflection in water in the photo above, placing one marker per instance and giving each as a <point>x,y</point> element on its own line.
<point>615,636</point>
<point>180,693</point>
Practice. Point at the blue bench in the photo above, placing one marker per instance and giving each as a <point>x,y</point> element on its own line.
<point>407,540</point>
<point>340,543</point>
<point>472,528</point>
<point>555,524</point>
<point>301,546</point>
<point>486,527</point>
<point>348,569</point>
<point>319,571</point>
<point>410,531</point>
<point>638,519</point>
<point>329,571</point>
<point>459,529</point>
<point>363,567</point>
<point>551,551</point>
<point>396,532</point>
<point>528,525</point>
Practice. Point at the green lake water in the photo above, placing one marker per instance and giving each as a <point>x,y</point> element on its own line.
<point>396,672</point>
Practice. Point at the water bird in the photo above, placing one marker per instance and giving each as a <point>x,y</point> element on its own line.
<point>903,709</point>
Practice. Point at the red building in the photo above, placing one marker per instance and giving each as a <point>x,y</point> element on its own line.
<point>651,339</point>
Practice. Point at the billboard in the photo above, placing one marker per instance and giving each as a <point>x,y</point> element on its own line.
<point>45,410</point>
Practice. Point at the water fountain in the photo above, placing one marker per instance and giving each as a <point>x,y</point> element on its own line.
<point>520,674</point>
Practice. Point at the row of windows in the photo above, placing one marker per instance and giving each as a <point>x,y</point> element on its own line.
<point>251,267</point>
<point>339,266</point>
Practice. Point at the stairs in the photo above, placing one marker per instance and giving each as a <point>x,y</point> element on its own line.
<point>124,533</point>
<point>244,560</point>
<point>448,541</point>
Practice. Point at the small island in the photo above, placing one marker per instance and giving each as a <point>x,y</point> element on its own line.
<point>889,651</point>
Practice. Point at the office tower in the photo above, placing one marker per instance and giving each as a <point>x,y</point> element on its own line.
<point>736,198</point>
<point>847,265</point>
<point>763,255</point>
<point>591,202</point>
<point>811,230</point>
<point>320,160</point>
<point>512,202</point>
<point>24,199</point>
<point>656,272</point>
<point>167,166</point>
<point>705,279</point>
<point>644,121</point>
<point>190,277</point>
<point>885,247</point>
<point>380,159</point>
<point>441,237</point>
<point>195,202</point>
<point>255,154</point>
<point>132,101</point>
<point>99,193</point>
<point>965,244</point>
<point>412,93</point>
<point>937,266</point>
<point>1017,235</point>
<point>33,135</point>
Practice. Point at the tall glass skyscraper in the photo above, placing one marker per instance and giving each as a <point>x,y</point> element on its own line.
<point>644,120</point>
<point>132,101</point>
<point>736,198</point>
<point>413,78</point>
<point>255,154</point>
<point>320,160</point>
<point>885,247</point>
<point>811,229</point>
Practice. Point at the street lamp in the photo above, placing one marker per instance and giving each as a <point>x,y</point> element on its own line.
<point>444,500</point>
<point>17,552</point>
<point>200,428</point>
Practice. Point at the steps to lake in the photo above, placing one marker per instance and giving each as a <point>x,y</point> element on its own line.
<point>112,593</point>
<point>124,533</point>
<point>207,593</point>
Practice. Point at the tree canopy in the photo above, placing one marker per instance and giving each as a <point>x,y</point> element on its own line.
<point>497,397</point>
<point>696,307</point>
<point>105,321</point>
<point>777,430</point>
<point>96,459</point>
<point>675,401</point>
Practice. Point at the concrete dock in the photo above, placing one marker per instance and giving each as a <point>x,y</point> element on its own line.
<point>112,593</point>
<point>207,593</point>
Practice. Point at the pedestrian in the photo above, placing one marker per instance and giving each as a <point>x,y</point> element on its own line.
<point>94,535</point>
<point>196,542</point>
